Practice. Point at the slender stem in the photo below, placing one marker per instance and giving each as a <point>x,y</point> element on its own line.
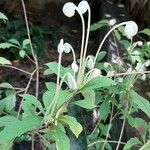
<point>122,129</point>
<point>88,32</point>
<point>145,146</point>
<point>108,128</point>
<point>13,67</point>
<point>26,89</point>
<point>32,50</point>
<point>123,23</point>
<point>32,144</point>
<point>102,141</point>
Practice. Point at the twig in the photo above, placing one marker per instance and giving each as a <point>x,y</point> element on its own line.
<point>13,67</point>
<point>26,89</point>
<point>32,50</point>
<point>103,141</point>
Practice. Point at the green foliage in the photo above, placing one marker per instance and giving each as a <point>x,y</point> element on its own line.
<point>99,25</point>
<point>145,31</point>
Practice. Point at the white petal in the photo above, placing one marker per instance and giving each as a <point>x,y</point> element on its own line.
<point>69,9</point>
<point>112,22</point>
<point>95,73</point>
<point>60,47</point>
<point>83,6</point>
<point>74,67</point>
<point>71,82</point>
<point>67,48</point>
<point>131,29</point>
<point>143,77</point>
<point>90,62</point>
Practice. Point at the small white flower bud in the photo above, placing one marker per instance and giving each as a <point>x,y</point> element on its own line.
<point>90,62</point>
<point>83,6</point>
<point>143,77</point>
<point>60,47</point>
<point>95,73</point>
<point>69,9</point>
<point>139,43</point>
<point>129,70</point>
<point>112,22</point>
<point>74,66</point>
<point>106,64</point>
<point>71,82</point>
<point>67,48</point>
<point>131,29</point>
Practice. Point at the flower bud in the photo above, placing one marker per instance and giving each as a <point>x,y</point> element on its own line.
<point>67,48</point>
<point>110,73</point>
<point>95,73</point>
<point>71,82</point>
<point>83,6</point>
<point>69,9</point>
<point>60,47</point>
<point>139,43</point>
<point>74,66</point>
<point>112,22</point>
<point>90,62</point>
<point>131,29</point>
<point>143,77</point>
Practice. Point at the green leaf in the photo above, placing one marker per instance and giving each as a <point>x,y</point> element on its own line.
<point>104,110</point>
<point>22,53</point>
<point>14,128</point>
<point>142,103</point>
<point>73,124</point>
<point>132,142</point>
<point>8,103</point>
<point>125,43</point>
<point>25,43</point>
<point>63,97</point>
<point>145,31</point>
<point>117,34</point>
<point>6,85</point>
<point>14,41</point>
<point>87,104</point>
<point>101,55</point>
<point>3,17</point>
<point>62,141</point>
<point>53,69</point>
<point>30,100</point>
<point>98,25</point>
<point>4,61</point>
<point>51,86</point>
<point>6,45</point>
<point>99,82</point>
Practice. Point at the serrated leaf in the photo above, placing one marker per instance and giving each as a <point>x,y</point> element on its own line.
<point>132,142</point>
<point>62,141</point>
<point>99,82</point>
<point>73,124</point>
<point>4,61</point>
<point>142,103</point>
<point>87,104</point>
<point>14,128</point>
<point>31,100</point>
<point>3,17</point>
<point>98,25</point>
<point>53,69</point>
<point>104,110</point>
<point>6,45</point>
<point>146,31</point>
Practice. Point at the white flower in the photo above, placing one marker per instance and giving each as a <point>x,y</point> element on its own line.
<point>140,67</point>
<point>112,22</point>
<point>147,63</point>
<point>60,47</point>
<point>139,43</point>
<point>129,70</point>
<point>90,62</point>
<point>67,48</point>
<point>131,29</point>
<point>83,6</point>
<point>71,82</point>
<point>95,73</point>
<point>143,77</point>
<point>69,9</point>
<point>74,66</point>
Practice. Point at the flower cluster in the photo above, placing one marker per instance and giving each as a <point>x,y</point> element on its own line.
<point>85,70</point>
